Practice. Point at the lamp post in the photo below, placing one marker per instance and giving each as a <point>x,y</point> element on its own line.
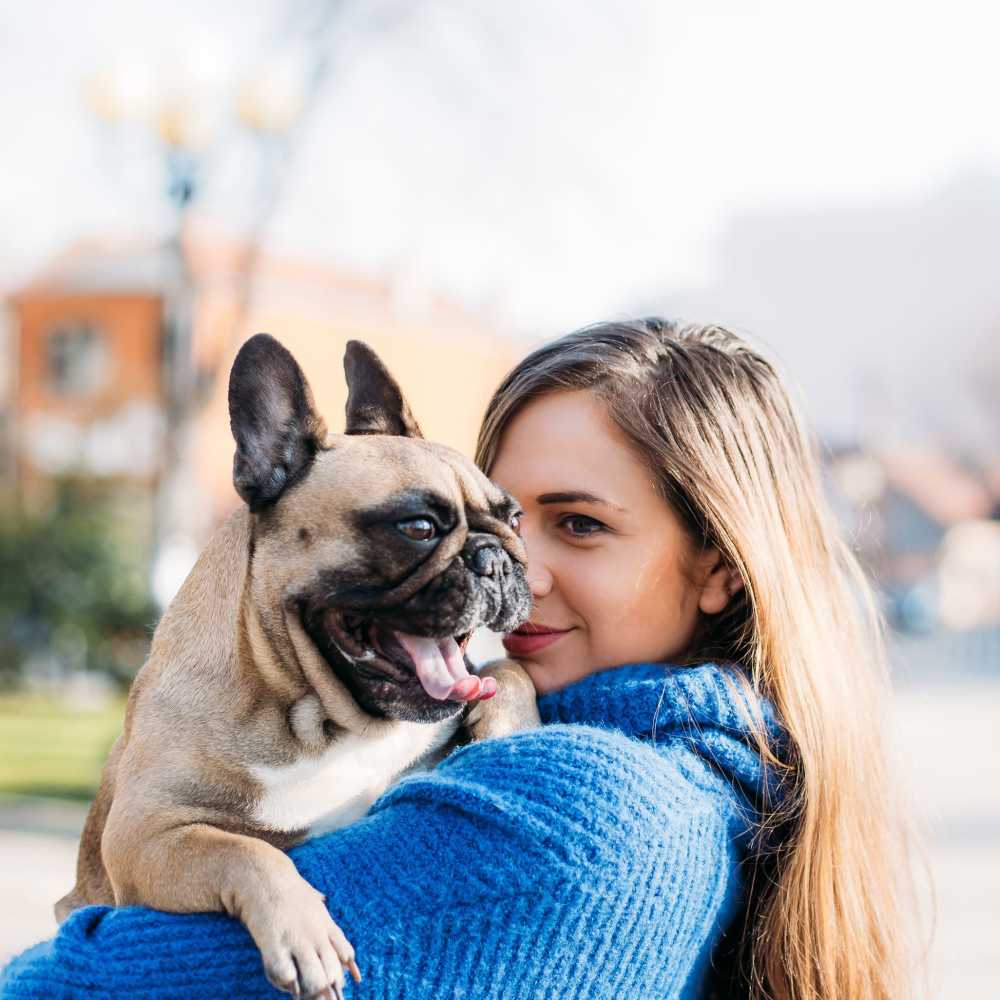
<point>268,105</point>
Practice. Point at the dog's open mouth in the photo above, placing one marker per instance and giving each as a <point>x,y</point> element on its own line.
<point>438,663</point>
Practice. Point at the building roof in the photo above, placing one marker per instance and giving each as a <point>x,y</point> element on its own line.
<point>142,265</point>
<point>101,266</point>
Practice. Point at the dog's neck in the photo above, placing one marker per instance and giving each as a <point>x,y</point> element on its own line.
<point>209,596</point>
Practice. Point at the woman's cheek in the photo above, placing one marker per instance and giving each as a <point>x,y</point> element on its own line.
<point>635,585</point>
<point>649,608</point>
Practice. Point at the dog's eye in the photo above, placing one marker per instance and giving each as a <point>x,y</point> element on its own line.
<point>418,529</point>
<point>515,522</point>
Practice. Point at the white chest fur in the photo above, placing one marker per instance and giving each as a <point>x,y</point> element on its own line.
<point>335,787</point>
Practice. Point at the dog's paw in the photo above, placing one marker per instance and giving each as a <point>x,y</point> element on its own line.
<point>512,709</point>
<point>304,951</point>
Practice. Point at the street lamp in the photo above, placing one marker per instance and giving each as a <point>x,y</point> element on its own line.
<point>179,121</point>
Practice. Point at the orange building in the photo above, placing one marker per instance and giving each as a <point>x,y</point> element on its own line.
<point>88,339</point>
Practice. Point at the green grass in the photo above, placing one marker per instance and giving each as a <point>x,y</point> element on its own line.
<point>49,748</point>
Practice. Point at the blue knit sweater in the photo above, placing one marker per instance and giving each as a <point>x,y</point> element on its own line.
<point>599,856</point>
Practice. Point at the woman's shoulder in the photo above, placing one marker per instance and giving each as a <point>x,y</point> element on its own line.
<point>710,709</point>
<point>583,801</point>
<point>512,858</point>
<point>655,700</point>
<point>528,839</point>
<point>574,801</point>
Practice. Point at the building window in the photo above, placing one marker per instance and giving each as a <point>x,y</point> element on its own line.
<point>76,359</point>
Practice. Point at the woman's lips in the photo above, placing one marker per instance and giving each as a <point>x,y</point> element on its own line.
<point>530,638</point>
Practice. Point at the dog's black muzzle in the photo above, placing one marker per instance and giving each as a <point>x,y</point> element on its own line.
<point>481,586</point>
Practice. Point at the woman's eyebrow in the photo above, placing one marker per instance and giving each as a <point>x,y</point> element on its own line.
<point>576,496</point>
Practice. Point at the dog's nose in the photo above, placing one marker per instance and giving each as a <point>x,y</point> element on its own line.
<point>486,559</point>
<point>484,562</point>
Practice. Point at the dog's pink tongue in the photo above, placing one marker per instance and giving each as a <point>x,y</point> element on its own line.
<point>440,667</point>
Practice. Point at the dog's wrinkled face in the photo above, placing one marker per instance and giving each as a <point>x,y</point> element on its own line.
<point>404,541</point>
<point>389,550</point>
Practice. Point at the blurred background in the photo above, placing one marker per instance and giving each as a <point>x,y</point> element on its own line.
<point>454,182</point>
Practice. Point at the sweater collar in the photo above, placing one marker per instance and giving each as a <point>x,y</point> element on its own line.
<point>709,707</point>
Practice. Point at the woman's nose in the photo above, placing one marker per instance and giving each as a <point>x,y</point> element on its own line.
<point>536,573</point>
<point>540,583</point>
<point>539,578</point>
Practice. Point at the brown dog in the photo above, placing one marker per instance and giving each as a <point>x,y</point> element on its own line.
<point>312,655</point>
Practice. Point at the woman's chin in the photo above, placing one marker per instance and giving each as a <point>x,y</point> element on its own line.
<point>537,673</point>
<point>549,677</point>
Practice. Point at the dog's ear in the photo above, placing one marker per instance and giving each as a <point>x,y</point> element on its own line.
<point>375,403</point>
<point>276,427</point>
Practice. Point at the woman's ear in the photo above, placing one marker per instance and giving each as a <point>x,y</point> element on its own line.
<point>718,582</point>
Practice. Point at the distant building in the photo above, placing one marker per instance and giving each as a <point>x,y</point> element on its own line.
<point>86,345</point>
<point>922,523</point>
<point>969,575</point>
<point>86,351</point>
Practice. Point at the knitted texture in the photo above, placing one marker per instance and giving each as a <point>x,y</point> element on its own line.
<point>598,856</point>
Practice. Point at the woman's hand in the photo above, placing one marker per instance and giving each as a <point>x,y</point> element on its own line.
<point>512,709</point>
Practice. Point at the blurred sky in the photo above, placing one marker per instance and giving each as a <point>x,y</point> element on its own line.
<point>557,161</point>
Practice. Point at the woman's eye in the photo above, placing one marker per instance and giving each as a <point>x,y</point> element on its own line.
<point>581,526</point>
<point>418,529</point>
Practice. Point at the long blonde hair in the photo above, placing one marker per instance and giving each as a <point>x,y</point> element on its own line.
<point>829,907</point>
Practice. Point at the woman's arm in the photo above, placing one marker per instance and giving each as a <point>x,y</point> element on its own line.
<point>567,861</point>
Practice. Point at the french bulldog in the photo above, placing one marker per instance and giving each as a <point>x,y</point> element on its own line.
<point>314,654</point>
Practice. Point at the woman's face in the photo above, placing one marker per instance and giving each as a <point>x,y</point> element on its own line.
<point>614,577</point>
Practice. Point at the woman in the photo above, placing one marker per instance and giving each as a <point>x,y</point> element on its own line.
<point>663,835</point>
<point>780,595</point>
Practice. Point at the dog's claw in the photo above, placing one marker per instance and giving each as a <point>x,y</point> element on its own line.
<point>355,972</point>
<point>339,991</point>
